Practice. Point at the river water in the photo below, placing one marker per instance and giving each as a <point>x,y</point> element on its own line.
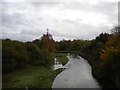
<point>57,64</point>
<point>76,75</point>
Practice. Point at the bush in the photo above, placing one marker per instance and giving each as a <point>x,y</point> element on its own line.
<point>17,55</point>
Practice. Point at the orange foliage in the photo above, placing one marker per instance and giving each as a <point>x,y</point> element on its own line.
<point>111,51</point>
<point>48,43</point>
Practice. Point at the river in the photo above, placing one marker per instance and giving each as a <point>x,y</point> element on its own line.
<point>76,75</point>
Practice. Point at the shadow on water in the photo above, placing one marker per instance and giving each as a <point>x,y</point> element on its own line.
<point>57,64</point>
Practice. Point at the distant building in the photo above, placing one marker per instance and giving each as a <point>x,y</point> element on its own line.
<point>48,36</point>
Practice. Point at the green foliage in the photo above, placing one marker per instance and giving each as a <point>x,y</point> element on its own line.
<point>14,55</point>
<point>103,54</point>
<point>69,45</point>
<point>37,42</point>
<point>31,76</point>
<point>102,37</point>
<point>92,54</point>
<point>62,45</point>
<point>35,54</point>
<point>61,57</point>
<point>17,55</point>
<point>90,50</point>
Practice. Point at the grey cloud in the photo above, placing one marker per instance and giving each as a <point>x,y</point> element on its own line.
<point>105,7</point>
<point>16,26</point>
<point>100,7</point>
<point>18,36</point>
<point>45,4</point>
<point>32,32</point>
<point>73,22</point>
<point>76,6</point>
<point>108,9</point>
<point>10,20</point>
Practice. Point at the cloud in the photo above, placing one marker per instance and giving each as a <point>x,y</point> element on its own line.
<point>26,21</point>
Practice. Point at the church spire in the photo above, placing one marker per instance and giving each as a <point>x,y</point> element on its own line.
<point>47,31</point>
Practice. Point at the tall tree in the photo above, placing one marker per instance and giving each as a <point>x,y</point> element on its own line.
<point>47,42</point>
<point>110,60</point>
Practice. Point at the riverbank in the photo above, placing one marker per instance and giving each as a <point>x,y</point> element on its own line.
<point>33,76</point>
<point>61,57</point>
<point>94,65</point>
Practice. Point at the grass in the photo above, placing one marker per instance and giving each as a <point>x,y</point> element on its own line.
<point>31,76</point>
<point>62,58</point>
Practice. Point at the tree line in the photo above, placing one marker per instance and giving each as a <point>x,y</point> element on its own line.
<point>17,55</point>
<point>103,54</point>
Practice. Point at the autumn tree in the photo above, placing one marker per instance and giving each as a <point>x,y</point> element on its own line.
<point>47,42</point>
<point>110,60</point>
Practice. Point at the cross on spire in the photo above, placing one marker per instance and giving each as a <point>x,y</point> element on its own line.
<point>47,30</point>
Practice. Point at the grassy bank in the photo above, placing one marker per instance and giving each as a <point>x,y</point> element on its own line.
<point>31,76</point>
<point>62,57</point>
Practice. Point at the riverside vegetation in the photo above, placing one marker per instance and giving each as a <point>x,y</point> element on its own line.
<point>29,63</point>
<point>102,53</point>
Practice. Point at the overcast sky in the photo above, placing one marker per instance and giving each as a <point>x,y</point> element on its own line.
<point>81,19</point>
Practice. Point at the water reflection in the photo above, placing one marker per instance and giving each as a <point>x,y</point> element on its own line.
<point>57,64</point>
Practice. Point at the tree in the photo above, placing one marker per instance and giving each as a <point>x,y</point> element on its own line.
<point>110,60</point>
<point>103,37</point>
<point>116,30</point>
<point>47,43</point>
<point>14,55</point>
<point>37,42</point>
